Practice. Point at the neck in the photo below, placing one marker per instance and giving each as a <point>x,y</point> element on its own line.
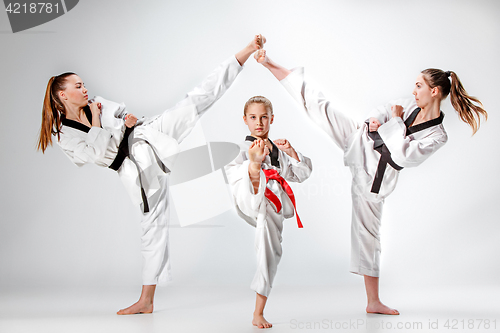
<point>74,112</point>
<point>431,111</point>
<point>262,137</point>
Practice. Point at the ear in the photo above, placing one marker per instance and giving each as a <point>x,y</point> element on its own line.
<point>62,95</point>
<point>272,119</point>
<point>435,91</point>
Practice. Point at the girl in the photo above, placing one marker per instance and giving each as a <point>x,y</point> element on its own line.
<point>258,180</point>
<point>400,134</point>
<point>101,132</point>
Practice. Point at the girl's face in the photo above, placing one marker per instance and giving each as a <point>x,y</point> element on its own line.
<point>423,93</point>
<point>75,93</point>
<point>258,120</point>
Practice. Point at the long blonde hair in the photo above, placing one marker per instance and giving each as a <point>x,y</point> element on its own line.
<point>53,111</point>
<point>460,100</point>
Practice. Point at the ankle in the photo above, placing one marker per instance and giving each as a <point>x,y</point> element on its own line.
<point>373,300</point>
<point>146,300</point>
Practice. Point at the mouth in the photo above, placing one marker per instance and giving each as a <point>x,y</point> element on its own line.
<point>86,96</point>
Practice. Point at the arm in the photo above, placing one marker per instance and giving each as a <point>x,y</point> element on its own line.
<point>408,152</point>
<point>298,167</point>
<point>88,149</point>
<point>384,113</point>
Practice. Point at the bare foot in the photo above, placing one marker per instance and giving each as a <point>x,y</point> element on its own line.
<point>260,56</point>
<point>378,307</point>
<point>139,307</point>
<point>257,43</point>
<point>260,321</point>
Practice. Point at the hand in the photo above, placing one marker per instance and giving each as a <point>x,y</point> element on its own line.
<point>285,146</point>
<point>397,111</point>
<point>373,124</point>
<point>130,120</point>
<point>95,108</point>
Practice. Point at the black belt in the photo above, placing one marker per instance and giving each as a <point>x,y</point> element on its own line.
<point>385,154</point>
<point>124,152</point>
<point>385,158</point>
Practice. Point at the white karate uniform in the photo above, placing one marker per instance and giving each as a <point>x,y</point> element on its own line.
<point>352,137</point>
<point>163,134</point>
<point>257,210</point>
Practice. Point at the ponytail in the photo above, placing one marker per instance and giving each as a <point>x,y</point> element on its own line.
<point>463,103</point>
<point>53,111</point>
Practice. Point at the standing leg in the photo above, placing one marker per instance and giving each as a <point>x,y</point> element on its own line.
<point>155,251</point>
<point>374,303</point>
<point>258,315</point>
<point>268,249</point>
<point>144,304</point>
<point>365,249</point>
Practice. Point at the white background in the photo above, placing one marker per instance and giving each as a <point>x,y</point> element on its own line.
<point>65,226</point>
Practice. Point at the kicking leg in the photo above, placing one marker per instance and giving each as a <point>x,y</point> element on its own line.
<point>178,121</point>
<point>333,122</point>
<point>256,44</point>
<point>277,70</point>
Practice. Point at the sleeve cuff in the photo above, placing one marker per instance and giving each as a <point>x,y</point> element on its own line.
<point>293,161</point>
<point>394,126</point>
<point>95,132</point>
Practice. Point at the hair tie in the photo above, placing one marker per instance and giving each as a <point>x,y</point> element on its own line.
<point>448,73</point>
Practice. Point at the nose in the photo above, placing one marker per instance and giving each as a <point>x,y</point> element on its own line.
<point>415,91</point>
<point>84,90</point>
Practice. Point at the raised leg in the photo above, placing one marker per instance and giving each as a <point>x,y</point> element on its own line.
<point>178,121</point>
<point>333,122</point>
<point>277,70</point>
<point>256,44</point>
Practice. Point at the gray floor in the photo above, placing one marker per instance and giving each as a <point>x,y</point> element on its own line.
<point>221,309</point>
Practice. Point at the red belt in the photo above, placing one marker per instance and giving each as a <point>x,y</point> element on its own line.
<point>273,174</point>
